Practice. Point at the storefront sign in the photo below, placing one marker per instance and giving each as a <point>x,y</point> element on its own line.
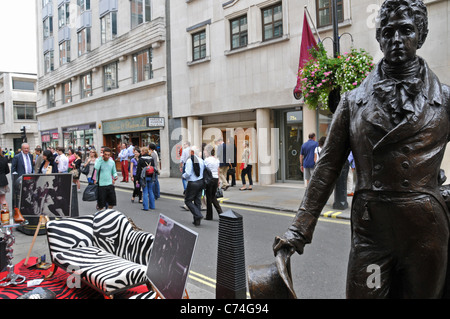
<point>55,136</point>
<point>136,124</point>
<point>155,121</point>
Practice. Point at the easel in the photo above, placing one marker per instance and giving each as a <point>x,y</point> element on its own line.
<point>43,219</point>
<point>158,295</point>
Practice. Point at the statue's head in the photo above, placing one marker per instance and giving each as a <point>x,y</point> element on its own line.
<point>402,27</point>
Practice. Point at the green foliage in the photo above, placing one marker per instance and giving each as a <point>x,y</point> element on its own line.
<point>322,74</point>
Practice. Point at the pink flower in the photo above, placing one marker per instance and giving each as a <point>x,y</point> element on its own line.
<point>355,83</point>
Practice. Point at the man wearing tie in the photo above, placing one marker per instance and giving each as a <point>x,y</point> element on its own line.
<point>21,164</point>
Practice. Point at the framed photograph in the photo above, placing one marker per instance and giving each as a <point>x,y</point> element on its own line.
<point>48,194</point>
<point>171,257</point>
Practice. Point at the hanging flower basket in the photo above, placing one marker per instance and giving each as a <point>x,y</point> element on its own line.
<point>323,74</point>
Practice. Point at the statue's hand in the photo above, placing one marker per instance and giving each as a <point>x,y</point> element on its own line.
<point>288,244</point>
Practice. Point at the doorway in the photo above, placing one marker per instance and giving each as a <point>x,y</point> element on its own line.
<point>291,140</point>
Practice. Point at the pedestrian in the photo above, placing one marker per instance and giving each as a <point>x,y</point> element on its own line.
<point>223,166</point>
<point>134,164</point>
<point>351,175</point>
<point>90,161</point>
<point>307,157</point>
<point>194,177</point>
<point>70,157</point>
<point>232,161</point>
<point>185,154</point>
<point>22,162</point>
<point>106,177</point>
<point>246,168</point>
<point>48,165</point>
<point>4,171</point>
<point>319,149</point>
<point>62,160</point>
<point>123,158</point>
<point>212,163</point>
<point>155,156</point>
<point>146,181</point>
<point>38,158</point>
<point>76,168</point>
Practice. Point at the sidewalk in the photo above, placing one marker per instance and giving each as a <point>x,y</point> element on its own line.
<point>279,196</point>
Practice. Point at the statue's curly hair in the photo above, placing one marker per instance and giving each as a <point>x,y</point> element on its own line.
<point>414,8</point>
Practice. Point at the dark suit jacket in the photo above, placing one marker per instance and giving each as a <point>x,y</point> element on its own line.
<point>17,165</point>
<point>4,170</point>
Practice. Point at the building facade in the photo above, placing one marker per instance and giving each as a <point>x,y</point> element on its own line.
<point>18,100</point>
<point>102,74</point>
<point>113,71</point>
<point>235,66</point>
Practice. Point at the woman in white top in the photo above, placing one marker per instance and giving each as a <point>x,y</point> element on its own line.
<point>212,163</point>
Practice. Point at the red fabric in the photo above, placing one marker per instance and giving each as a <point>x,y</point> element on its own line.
<point>57,284</point>
<point>308,41</point>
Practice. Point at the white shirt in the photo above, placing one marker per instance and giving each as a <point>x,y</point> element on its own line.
<point>213,164</point>
<point>27,163</point>
<point>185,155</point>
<point>63,163</point>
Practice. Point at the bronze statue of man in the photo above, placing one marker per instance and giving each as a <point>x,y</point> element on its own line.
<point>397,123</point>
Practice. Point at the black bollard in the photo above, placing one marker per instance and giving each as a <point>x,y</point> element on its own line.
<point>231,272</point>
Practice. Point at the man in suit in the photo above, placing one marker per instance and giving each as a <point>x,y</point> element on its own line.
<point>22,163</point>
<point>397,124</point>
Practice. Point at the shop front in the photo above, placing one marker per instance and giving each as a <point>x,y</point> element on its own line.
<point>138,131</point>
<point>80,137</point>
<point>291,124</point>
<point>50,138</point>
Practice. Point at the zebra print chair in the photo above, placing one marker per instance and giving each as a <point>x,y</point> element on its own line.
<point>105,249</point>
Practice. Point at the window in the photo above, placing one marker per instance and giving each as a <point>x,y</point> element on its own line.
<point>67,92</point>
<point>23,85</point>
<point>110,77</point>
<point>272,22</point>
<point>86,85</point>
<point>142,66</point>
<point>239,36</point>
<point>199,45</point>
<point>2,113</point>
<point>325,12</point>
<point>48,62</point>
<point>140,12</point>
<point>45,2</point>
<point>63,15</point>
<point>48,27</point>
<point>64,52</point>
<point>83,5</point>
<point>108,27</point>
<point>51,98</point>
<point>24,111</point>
<point>84,41</point>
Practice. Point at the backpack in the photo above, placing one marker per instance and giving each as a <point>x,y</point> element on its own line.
<point>149,170</point>
<point>207,176</point>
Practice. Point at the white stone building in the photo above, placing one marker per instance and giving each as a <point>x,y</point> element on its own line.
<point>200,69</point>
<point>18,97</point>
<point>234,65</point>
<point>102,74</point>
